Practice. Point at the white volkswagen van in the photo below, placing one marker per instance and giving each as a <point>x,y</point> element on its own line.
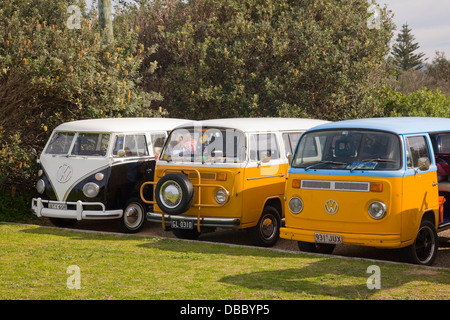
<point>93,169</point>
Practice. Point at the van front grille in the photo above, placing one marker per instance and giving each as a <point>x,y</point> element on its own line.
<point>336,185</point>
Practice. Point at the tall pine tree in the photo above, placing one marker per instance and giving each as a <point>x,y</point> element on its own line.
<point>404,58</point>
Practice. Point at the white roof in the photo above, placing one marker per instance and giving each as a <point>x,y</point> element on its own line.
<point>121,125</point>
<point>258,124</point>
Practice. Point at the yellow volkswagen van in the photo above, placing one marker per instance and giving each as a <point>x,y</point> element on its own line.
<point>225,173</point>
<point>370,182</point>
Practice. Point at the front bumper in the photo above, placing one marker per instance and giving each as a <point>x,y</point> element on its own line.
<point>204,221</point>
<point>40,208</point>
<point>371,240</point>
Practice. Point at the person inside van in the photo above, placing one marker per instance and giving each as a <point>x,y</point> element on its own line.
<point>443,167</point>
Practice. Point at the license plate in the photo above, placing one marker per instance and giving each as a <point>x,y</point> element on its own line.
<point>57,206</point>
<point>182,224</point>
<point>328,238</point>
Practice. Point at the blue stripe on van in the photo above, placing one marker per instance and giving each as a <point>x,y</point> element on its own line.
<point>360,173</point>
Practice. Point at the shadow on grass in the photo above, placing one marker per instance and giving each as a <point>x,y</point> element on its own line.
<point>343,279</point>
<point>76,233</point>
<point>316,276</point>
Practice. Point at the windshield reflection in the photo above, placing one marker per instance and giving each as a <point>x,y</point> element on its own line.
<point>348,149</point>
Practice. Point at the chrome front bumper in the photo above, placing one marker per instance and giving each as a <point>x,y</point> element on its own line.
<point>204,221</point>
<point>80,213</point>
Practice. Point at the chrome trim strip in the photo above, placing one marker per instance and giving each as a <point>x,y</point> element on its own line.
<point>274,176</point>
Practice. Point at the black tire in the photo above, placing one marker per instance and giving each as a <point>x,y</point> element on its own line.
<point>179,188</point>
<point>267,232</point>
<point>133,216</point>
<point>191,234</point>
<point>63,223</point>
<point>324,248</point>
<point>425,247</point>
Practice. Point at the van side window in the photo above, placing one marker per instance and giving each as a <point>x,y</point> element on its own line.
<point>91,144</point>
<point>158,139</point>
<point>263,147</point>
<point>132,145</point>
<point>417,150</point>
<point>290,141</point>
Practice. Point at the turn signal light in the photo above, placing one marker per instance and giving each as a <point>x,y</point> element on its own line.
<point>221,176</point>
<point>296,183</point>
<point>376,187</point>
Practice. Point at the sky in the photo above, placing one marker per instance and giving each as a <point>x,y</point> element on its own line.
<point>429,21</point>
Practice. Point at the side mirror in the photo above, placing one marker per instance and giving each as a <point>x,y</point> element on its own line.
<point>289,157</point>
<point>264,156</point>
<point>424,164</point>
<point>121,153</point>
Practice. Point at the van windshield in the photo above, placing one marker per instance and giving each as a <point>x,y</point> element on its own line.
<point>60,143</point>
<point>86,144</point>
<point>205,145</point>
<point>348,149</point>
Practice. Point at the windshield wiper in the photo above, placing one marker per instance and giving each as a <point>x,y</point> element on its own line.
<point>368,161</point>
<point>325,162</point>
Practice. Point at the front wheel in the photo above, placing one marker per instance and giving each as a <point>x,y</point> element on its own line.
<point>424,249</point>
<point>133,217</point>
<point>267,231</point>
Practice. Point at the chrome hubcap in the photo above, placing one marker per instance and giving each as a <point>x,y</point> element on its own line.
<point>133,215</point>
<point>170,194</point>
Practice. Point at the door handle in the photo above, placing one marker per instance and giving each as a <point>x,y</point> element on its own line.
<point>435,184</point>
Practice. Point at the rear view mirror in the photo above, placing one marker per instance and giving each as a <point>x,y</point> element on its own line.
<point>424,164</point>
<point>264,156</point>
<point>289,156</point>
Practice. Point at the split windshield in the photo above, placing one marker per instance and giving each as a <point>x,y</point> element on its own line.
<point>205,145</point>
<point>85,144</point>
<point>348,149</point>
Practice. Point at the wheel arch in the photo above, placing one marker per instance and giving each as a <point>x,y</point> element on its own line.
<point>276,203</point>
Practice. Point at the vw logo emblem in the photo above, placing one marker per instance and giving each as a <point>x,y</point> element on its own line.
<point>331,206</point>
<point>64,173</point>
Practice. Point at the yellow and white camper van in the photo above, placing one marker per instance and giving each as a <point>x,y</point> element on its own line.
<point>225,173</point>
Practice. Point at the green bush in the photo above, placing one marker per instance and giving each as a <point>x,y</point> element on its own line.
<point>264,58</point>
<point>421,103</point>
<point>50,74</point>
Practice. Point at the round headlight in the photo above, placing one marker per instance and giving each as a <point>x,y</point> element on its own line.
<point>91,189</point>
<point>99,176</point>
<point>221,196</point>
<point>377,210</point>
<point>40,186</point>
<point>296,205</point>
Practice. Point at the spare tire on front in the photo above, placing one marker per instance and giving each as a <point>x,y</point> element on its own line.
<point>174,193</point>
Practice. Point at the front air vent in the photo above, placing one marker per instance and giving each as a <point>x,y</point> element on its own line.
<point>336,185</point>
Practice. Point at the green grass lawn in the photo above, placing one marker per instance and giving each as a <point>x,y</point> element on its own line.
<point>34,262</point>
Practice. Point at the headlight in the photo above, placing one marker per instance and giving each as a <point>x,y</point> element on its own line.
<point>296,205</point>
<point>99,176</point>
<point>91,189</point>
<point>377,210</point>
<point>40,186</point>
<point>221,196</point>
